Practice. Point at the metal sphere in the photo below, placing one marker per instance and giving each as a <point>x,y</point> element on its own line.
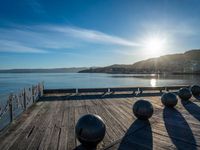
<point>184,94</point>
<point>143,109</point>
<point>195,89</point>
<point>169,99</point>
<point>90,130</point>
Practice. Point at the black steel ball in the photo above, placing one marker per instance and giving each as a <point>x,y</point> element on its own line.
<point>195,89</point>
<point>143,109</point>
<point>169,99</point>
<point>184,94</point>
<point>90,130</point>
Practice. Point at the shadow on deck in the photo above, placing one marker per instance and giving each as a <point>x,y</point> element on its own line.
<point>51,124</point>
<point>174,122</point>
<point>192,108</point>
<point>139,132</point>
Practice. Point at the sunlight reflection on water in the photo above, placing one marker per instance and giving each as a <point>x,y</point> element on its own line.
<point>153,82</point>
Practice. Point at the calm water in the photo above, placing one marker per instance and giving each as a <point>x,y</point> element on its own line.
<point>14,82</point>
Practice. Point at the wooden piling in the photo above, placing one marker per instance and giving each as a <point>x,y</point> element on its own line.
<point>11,107</point>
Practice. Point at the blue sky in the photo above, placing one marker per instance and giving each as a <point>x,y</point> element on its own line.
<point>73,33</point>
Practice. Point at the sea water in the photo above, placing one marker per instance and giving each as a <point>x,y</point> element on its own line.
<point>13,82</point>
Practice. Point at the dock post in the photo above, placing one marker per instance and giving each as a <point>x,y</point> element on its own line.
<point>160,90</point>
<point>11,107</point>
<point>138,91</point>
<point>32,93</point>
<point>24,99</point>
<point>141,91</point>
<point>133,92</point>
<point>43,88</point>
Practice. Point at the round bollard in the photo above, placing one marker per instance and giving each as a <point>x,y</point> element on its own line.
<point>143,109</point>
<point>195,89</point>
<point>169,99</point>
<point>184,94</point>
<point>90,130</point>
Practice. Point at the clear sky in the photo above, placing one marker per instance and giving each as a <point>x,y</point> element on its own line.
<point>72,33</point>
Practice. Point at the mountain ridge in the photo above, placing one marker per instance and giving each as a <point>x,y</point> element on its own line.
<point>181,63</point>
<point>49,70</point>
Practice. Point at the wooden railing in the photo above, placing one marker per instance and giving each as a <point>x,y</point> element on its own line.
<point>113,89</point>
<point>18,103</point>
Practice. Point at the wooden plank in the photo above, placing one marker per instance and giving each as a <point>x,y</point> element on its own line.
<point>36,140</point>
<point>138,136</point>
<point>49,129</point>
<point>6,138</point>
<point>77,116</point>
<point>71,128</point>
<point>52,124</point>
<point>55,137</point>
<point>141,139</point>
<point>25,136</point>
<point>125,119</point>
<point>64,128</point>
<point>111,123</point>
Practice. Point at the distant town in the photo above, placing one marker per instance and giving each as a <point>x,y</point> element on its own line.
<point>186,63</point>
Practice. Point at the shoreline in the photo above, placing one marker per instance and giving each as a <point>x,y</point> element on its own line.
<point>173,73</point>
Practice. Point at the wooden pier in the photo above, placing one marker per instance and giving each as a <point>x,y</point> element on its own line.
<point>50,123</point>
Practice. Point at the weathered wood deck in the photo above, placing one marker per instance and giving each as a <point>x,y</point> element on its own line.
<point>50,123</point>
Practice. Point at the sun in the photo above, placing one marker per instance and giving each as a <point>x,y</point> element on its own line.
<point>154,46</point>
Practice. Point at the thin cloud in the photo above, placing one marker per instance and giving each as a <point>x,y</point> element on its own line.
<point>94,36</point>
<point>13,46</point>
<point>43,38</point>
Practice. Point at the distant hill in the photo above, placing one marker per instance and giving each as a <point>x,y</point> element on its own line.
<point>186,63</point>
<point>53,70</point>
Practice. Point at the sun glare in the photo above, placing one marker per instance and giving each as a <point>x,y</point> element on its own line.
<point>154,46</point>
